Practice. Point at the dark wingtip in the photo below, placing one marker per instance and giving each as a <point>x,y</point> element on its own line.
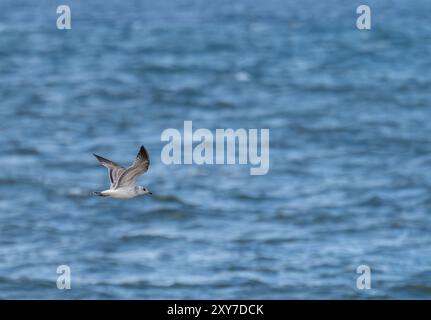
<point>143,151</point>
<point>98,193</point>
<point>97,157</point>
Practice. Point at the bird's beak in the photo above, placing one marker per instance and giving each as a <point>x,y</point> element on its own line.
<point>150,193</point>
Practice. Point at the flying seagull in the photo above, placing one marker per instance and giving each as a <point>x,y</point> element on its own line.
<point>123,180</point>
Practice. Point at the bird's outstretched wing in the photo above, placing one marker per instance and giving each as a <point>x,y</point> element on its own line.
<point>114,170</point>
<point>138,167</point>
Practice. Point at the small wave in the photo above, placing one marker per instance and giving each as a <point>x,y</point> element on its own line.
<point>24,151</point>
<point>172,213</point>
<point>9,181</point>
<point>171,198</point>
<point>148,237</point>
<point>414,289</point>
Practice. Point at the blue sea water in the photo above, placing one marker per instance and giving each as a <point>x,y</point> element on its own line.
<point>350,155</point>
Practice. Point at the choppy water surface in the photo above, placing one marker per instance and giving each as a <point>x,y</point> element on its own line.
<point>349,180</point>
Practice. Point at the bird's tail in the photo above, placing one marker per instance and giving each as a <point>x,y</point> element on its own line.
<point>100,194</point>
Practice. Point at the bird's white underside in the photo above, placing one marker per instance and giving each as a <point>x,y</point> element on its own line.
<point>121,193</point>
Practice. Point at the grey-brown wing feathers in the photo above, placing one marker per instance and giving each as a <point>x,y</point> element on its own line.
<point>138,167</point>
<point>114,169</point>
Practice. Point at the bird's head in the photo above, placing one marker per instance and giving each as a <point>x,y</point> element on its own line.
<point>142,190</point>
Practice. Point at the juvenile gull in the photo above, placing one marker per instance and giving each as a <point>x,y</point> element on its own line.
<point>123,180</point>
